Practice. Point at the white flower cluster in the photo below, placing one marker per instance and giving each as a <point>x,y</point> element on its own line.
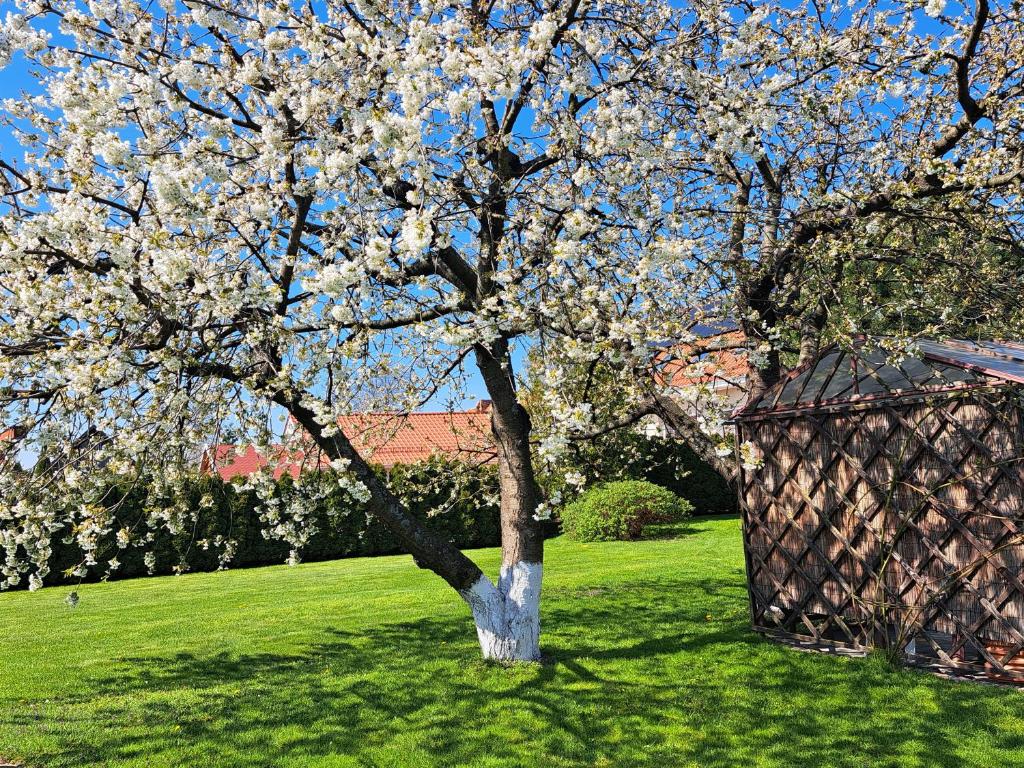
<point>289,518</point>
<point>16,34</point>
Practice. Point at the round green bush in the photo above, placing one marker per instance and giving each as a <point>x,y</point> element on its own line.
<point>621,510</point>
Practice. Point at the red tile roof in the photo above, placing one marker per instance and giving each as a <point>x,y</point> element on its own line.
<point>389,439</point>
<point>385,439</point>
<point>726,365</point>
<point>232,461</point>
<point>9,438</point>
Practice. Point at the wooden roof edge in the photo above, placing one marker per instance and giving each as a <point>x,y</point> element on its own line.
<point>859,402</point>
<point>749,409</point>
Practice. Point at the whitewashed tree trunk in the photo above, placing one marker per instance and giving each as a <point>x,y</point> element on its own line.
<point>507,616</point>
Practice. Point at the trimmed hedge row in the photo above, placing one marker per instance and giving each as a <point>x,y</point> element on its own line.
<point>687,475</point>
<point>456,501</point>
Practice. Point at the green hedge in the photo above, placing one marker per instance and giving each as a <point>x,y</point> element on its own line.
<point>457,501</point>
<point>664,461</point>
<point>687,475</point>
<point>621,510</point>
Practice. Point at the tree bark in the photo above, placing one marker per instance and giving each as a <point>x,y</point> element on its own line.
<point>508,616</point>
<point>810,332</point>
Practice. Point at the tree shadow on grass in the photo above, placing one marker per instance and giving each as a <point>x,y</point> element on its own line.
<point>650,673</point>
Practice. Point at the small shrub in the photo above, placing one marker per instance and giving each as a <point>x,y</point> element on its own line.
<point>621,510</point>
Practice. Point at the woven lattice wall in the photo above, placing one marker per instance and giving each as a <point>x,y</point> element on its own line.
<point>898,525</point>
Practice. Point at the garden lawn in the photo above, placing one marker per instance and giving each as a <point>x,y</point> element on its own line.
<point>372,662</point>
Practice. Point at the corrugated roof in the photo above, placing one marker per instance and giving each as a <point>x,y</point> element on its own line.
<point>1000,359</point>
<point>866,373</point>
<point>705,323</point>
<point>384,439</point>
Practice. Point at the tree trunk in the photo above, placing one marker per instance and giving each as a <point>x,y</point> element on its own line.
<point>810,330</point>
<point>508,616</point>
<point>429,550</point>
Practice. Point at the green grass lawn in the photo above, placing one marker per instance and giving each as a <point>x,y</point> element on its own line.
<point>372,662</point>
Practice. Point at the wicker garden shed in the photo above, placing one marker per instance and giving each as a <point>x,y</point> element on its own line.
<point>884,505</point>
